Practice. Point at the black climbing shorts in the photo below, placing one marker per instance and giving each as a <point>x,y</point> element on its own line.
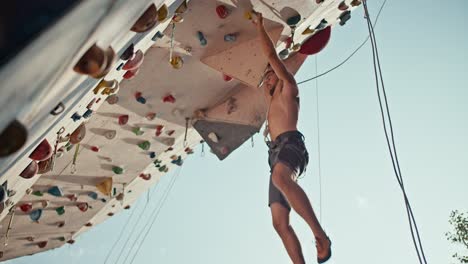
<point>289,149</point>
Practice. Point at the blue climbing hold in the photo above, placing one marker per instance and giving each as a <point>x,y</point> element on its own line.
<point>201,38</point>
<point>75,117</point>
<point>152,154</point>
<point>157,36</point>
<point>55,191</point>
<point>178,161</point>
<point>35,215</point>
<point>93,195</point>
<point>141,100</point>
<point>88,113</point>
<point>230,37</point>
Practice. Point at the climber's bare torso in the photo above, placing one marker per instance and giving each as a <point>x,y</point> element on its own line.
<point>283,105</point>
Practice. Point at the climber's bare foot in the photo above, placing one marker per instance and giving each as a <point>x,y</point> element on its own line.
<point>323,249</point>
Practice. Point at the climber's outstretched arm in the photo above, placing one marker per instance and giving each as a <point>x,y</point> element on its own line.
<point>270,51</point>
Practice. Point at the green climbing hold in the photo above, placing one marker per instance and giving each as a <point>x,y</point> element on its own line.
<point>37,193</point>
<point>117,170</point>
<point>60,210</point>
<point>137,131</point>
<point>145,145</point>
<point>69,146</point>
<point>163,168</point>
<point>61,239</point>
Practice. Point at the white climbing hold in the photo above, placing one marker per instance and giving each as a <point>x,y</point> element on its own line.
<point>213,137</point>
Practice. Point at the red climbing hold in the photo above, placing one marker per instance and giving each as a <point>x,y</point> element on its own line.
<point>95,148</point>
<point>159,129</point>
<point>123,119</point>
<point>222,11</point>
<point>130,74</point>
<point>145,177</point>
<point>26,207</point>
<point>71,241</point>
<point>42,244</point>
<point>169,99</point>
<point>150,116</point>
<point>316,42</point>
<point>42,152</point>
<point>30,170</point>
<point>226,78</point>
<point>343,6</point>
<point>88,224</point>
<point>83,207</point>
<point>170,132</point>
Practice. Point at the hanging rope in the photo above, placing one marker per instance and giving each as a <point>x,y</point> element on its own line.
<point>391,145</point>
<point>120,235</point>
<point>155,214</point>
<point>186,131</point>
<point>318,136</point>
<point>350,56</point>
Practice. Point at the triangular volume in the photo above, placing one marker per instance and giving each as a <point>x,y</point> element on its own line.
<point>245,61</point>
<point>223,138</point>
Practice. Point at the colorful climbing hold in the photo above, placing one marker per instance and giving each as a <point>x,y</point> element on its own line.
<point>146,176</point>
<point>45,203</point>
<point>343,6</point>
<point>169,149</point>
<point>35,215</point>
<point>60,224</point>
<point>230,37</point>
<point>60,210</point>
<point>88,224</point>
<point>78,135</point>
<point>112,99</point>
<point>162,13</point>
<point>75,117</point>
<point>134,62</point>
<point>61,239</point>
<point>137,131</point>
<point>188,150</point>
<point>296,47</point>
<point>30,238</point>
<point>117,170</point>
<point>248,15</point>
<point>127,207</point>
<point>105,186</point>
<point>356,2</point>
<point>292,21</point>
<point>169,99</point>
<point>93,195</point>
<point>55,191</point>
<point>88,113</point>
<point>42,152</point>
<point>128,53</point>
<point>170,132</point>
<point>72,197</point>
<point>283,54</point>
<point>157,36</point>
<point>26,207</point>
<point>110,214</point>
<point>213,137</point>
<point>140,98</point>
<point>83,207</point>
<point>150,116</point>
<point>37,193</point>
<point>226,78</point>
<point>145,145</point>
<point>147,20</point>
<point>317,42</point>
<point>128,75</point>
<point>177,18</point>
<point>177,62</point>
<point>222,11</point>
<point>120,66</point>
<point>308,31</point>
<point>152,154</point>
<point>30,170</point>
<point>177,161</point>
<point>110,134</point>
<point>344,17</point>
<point>123,119</point>
<point>323,23</point>
<point>94,148</point>
<point>42,244</point>
<point>71,241</point>
<point>201,38</point>
<point>163,168</point>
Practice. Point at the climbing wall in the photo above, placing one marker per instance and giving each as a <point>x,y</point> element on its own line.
<point>124,107</point>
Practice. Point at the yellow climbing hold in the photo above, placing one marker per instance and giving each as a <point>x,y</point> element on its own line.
<point>105,187</point>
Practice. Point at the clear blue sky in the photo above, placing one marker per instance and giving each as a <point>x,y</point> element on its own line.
<point>217,211</point>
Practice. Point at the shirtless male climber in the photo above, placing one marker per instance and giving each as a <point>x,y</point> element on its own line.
<point>287,155</point>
